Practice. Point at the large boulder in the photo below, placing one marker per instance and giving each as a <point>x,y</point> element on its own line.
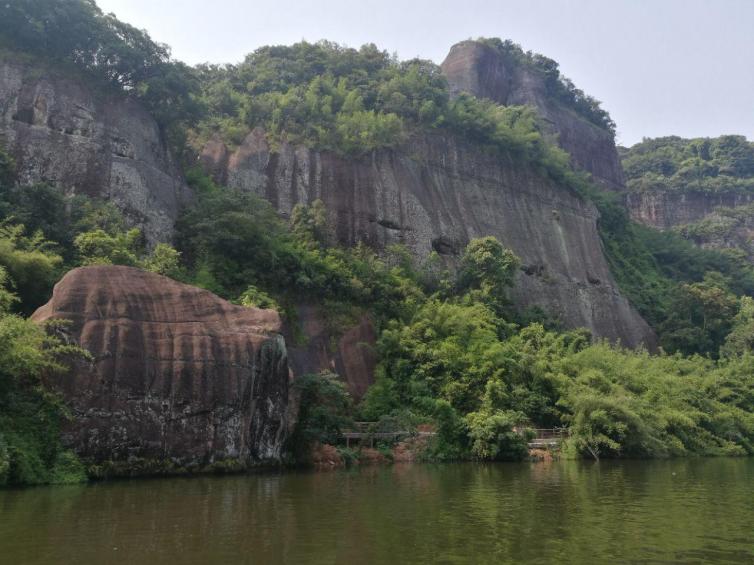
<point>178,375</point>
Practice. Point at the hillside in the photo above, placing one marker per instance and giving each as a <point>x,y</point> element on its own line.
<point>700,188</point>
<point>410,244</point>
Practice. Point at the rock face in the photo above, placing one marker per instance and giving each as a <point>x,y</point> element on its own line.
<point>61,132</point>
<point>348,352</point>
<point>178,375</point>
<point>437,193</point>
<point>667,209</point>
<point>481,70</point>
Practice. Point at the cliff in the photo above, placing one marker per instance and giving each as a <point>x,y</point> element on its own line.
<point>350,352</point>
<point>437,193</point>
<point>61,131</point>
<point>481,70</point>
<point>178,377</point>
<point>669,208</point>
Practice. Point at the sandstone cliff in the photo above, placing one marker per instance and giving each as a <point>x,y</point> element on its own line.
<point>666,209</point>
<point>62,132</point>
<point>481,70</point>
<point>437,193</point>
<point>349,351</point>
<point>178,375</point>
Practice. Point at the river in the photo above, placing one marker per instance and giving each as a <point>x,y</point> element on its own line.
<point>679,511</point>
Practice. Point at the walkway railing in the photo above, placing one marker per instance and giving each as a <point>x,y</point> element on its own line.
<point>544,437</point>
<point>364,431</point>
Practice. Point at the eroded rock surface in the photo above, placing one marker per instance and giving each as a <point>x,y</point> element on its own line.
<point>61,132</point>
<point>349,352</point>
<point>666,209</point>
<point>481,70</point>
<point>177,375</point>
<point>436,194</point>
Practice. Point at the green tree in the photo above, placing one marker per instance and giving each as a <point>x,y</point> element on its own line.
<point>101,248</point>
<point>324,412</point>
<point>492,436</point>
<point>163,260</point>
<point>740,340</point>
<point>30,263</point>
<point>700,318</point>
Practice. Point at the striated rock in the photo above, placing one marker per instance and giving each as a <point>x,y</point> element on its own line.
<point>178,375</point>
<point>481,70</point>
<point>666,209</point>
<point>437,193</point>
<point>349,352</point>
<point>83,141</point>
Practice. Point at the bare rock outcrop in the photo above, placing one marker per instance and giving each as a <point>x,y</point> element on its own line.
<point>437,193</point>
<point>479,69</point>
<point>666,209</point>
<point>84,141</point>
<point>178,375</point>
<point>349,352</point>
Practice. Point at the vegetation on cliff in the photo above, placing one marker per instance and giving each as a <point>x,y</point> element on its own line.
<point>77,33</point>
<point>353,101</point>
<point>721,164</point>
<point>452,350</point>
<point>30,416</point>
<point>454,354</point>
<point>559,87</point>
<point>686,293</point>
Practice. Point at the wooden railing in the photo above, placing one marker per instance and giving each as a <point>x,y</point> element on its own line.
<point>544,437</point>
<point>363,431</point>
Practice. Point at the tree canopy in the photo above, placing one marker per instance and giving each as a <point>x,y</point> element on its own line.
<point>721,164</point>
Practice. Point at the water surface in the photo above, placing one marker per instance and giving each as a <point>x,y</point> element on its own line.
<point>684,511</point>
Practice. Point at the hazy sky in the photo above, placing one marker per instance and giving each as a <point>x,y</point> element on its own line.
<point>661,67</point>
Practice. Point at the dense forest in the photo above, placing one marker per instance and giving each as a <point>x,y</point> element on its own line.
<point>721,164</point>
<point>453,351</point>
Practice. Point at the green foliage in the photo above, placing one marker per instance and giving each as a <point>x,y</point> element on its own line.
<point>252,297</point>
<point>30,263</point>
<point>558,87</point>
<point>447,351</point>
<point>324,411</point>
<point>7,298</point>
<point>721,164</point>
<point>101,248</point>
<point>658,272</point>
<point>232,239</point>
<point>492,436</point>
<point>309,223</point>
<point>164,260</point>
<point>78,33</point>
<point>740,340</point>
<point>700,317</point>
<point>30,450</point>
<point>622,403</point>
<point>355,101</point>
<point>487,270</point>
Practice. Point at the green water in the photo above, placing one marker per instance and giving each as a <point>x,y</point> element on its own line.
<point>686,511</point>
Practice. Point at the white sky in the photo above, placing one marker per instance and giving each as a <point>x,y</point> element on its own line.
<point>661,67</point>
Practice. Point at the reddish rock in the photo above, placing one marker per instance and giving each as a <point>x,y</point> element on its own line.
<point>178,374</point>
<point>214,159</point>
<point>357,357</point>
<point>348,352</point>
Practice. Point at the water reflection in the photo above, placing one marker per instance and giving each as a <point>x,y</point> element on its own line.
<point>686,511</point>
